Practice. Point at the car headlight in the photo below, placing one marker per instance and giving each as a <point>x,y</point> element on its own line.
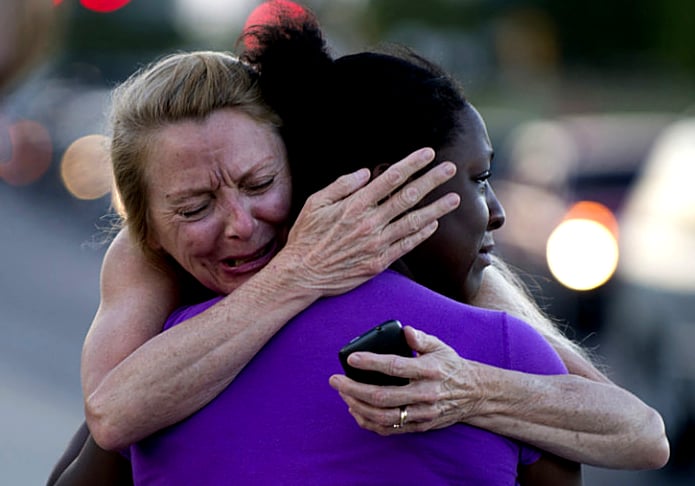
<point>582,251</point>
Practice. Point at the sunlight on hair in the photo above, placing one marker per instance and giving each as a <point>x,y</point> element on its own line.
<point>25,151</point>
<point>582,252</point>
<point>117,203</point>
<point>86,168</point>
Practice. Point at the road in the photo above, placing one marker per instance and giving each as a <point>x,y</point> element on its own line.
<point>49,270</point>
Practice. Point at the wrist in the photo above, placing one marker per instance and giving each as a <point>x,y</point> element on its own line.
<point>496,391</point>
<point>286,280</point>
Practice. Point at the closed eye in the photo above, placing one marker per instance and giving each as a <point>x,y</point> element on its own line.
<point>261,186</point>
<point>191,213</point>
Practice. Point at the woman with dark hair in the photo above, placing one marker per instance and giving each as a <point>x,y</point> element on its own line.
<point>369,108</point>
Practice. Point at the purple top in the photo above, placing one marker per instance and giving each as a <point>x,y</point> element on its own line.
<point>280,422</point>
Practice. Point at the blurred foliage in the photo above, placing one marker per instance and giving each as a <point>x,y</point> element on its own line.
<point>617,33</point>
<point>620,35</point>
<point>117,42</point>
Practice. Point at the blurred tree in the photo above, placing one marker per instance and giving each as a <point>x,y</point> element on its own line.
<point>617,34</point>
<point>27,35</point>
<point>118,41</point>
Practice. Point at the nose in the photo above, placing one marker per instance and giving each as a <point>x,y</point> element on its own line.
<point>238,218</point>
<point>497,216</point>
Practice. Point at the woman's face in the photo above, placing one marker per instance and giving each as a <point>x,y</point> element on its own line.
<point>219,193</point>
<point>452,261</point>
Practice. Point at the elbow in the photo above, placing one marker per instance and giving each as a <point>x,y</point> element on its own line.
<point>661,450</point>
<point>105,430</point>
<point>654,449</point>
<point>661,455</point>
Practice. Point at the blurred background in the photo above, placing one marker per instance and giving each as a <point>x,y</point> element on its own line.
<point>591,108</point>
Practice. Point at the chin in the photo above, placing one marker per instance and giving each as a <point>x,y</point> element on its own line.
<point>471,287</point>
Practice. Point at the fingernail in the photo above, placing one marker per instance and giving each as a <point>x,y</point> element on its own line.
<point>355,359</point>
<point>453,200</point>
<point>363,174</point>
<point>427,153</point>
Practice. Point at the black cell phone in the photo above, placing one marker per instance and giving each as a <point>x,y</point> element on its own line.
<point>386,338</point>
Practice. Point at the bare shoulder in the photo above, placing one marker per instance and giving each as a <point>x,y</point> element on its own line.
<point>127,270</point>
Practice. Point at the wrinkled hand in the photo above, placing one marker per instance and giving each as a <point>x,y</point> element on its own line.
<point>350,231</point>
<point>442,389</point>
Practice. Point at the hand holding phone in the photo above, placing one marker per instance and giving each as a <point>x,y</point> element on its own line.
<point>386,338</point>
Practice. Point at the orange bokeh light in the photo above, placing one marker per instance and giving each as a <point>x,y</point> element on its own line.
<point>104,6</point>
<point>594,211</point>
<point>86,167</point>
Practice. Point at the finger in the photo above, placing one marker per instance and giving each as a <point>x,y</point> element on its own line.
<point>390,364</point>
<point>375,427</point>
<point>377,396</point>
<point>382,426</point>
<point>413,192</point>
<point>421,342</point>
<point>419,219</point>
<point>342,187</point>
<point>385,417</point>
<point>405,245</point>
<point>396,175</point>
<point>416,413</point>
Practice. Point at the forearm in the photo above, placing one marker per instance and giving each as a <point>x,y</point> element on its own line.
<point>179,371</point>
<point>613,427</point>
<point>573,417</point>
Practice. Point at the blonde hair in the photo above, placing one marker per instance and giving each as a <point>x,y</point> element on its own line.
<point>504,290</point>
<point>178,87</point>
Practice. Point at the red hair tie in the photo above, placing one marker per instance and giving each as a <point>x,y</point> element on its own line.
<point>274,12</point>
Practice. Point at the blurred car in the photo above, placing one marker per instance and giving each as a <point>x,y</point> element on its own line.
<point>578,170</point>
<point>639,170</point>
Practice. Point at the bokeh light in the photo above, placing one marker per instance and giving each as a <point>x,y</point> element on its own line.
<point>594,211</point>
<point>25,151</point>
<point>86,168</point>
<point>582,252</point>
<point>104,6</point>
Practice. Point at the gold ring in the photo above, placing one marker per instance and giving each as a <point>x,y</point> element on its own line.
<point>404,417</point>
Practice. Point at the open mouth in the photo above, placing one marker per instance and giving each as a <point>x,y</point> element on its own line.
<point>260,254</point>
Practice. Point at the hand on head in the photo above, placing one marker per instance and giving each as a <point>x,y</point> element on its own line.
<point>343,236</point>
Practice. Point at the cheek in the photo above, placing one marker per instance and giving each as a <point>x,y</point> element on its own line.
<point>275,208</point>
<point>472,218</point>
<point>190,240</point>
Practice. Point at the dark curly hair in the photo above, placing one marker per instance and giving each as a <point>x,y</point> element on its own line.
<point>359,110</point>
